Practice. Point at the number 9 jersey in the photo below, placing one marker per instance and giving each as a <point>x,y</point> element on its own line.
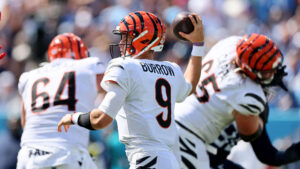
<point>53,90</point>
<point>221,90</point>
<point>146,119</point>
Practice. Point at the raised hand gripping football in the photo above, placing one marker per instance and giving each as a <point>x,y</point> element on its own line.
<point>188,26</point>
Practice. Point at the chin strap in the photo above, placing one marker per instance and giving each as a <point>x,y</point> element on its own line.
<point>277,80</point>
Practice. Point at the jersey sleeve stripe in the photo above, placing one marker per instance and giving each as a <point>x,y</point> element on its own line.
<point>248,108</point>
<point>119,66</point>
<point>255,96</point>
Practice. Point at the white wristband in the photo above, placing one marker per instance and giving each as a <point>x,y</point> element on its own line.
<point>75,117</point>
<point>198,51</point>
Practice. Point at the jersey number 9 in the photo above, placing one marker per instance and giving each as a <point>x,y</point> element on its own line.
<point>165,103</point>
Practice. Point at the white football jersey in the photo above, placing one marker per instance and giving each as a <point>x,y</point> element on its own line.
<point>220,91</point>
<point>146,119</point>
<point>54,90</point>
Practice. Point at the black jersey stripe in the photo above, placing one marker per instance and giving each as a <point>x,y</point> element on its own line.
<point>148,165</point>
<point>255,96</point>
<point>139,161</point>
<point>189,130</point>
<point>253,106</point>
<point>155,28</point>
<point>185,148</point>
<point>247,108</point>
<point>141,20</point>
<point>187,163</point>
<point>119,66</point>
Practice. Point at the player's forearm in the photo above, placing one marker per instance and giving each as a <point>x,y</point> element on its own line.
<point>94,120</point>
<point>268,154</point>
<point>193,71</point>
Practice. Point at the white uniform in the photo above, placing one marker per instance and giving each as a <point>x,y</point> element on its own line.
<point>50,92</point>
<point>220,91</point>
<point>146,122</point>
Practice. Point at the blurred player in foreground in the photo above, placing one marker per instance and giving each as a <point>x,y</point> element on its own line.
<point>262,147</point>
<point>141,92</point>
<point>231,88</point>
<point>69,83</point>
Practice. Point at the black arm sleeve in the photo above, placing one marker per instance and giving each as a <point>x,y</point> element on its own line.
<point>268,154</point>
<point>84,121</point>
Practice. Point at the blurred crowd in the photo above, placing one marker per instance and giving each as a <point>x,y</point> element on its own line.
<point>28,26</point>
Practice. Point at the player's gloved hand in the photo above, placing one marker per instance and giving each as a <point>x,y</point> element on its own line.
<point>66,121</point>
<point>3,54</point>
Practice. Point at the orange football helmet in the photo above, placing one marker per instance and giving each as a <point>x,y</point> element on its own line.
<point>258,55</point>
<point>67,45</point>
<point>143,32</point>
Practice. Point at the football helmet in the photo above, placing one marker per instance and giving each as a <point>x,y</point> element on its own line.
<point>258,56</point>
<point>143,31</point>
<point>67,45</point>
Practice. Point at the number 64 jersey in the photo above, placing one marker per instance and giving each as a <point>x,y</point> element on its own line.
<point>49,92</point>
<point>220,91</point>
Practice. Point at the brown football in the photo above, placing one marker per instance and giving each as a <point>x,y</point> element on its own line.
<point>182,23</point>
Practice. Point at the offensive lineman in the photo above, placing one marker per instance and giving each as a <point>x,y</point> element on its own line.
<point>230,89</point>
<point>70,82</point>
<point>145,92</point>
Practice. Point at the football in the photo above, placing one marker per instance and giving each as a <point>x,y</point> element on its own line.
<point>182,23</point>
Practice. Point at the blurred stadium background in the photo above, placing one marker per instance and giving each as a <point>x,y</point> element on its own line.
<point>27,27</point>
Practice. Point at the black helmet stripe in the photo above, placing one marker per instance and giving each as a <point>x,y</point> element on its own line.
<point>70,42</point>
<point>263,55</point>
<point>160,26</point>
<point>125,23</point>
<point>62,47</point>
<point>134,23</point>
<point>79,48</point>
<point>141,20</point>
<point>275,53</point>
<point>240,57</point>
<point>244,41</point>
<point>155,28</point>
<point>256,50</point>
